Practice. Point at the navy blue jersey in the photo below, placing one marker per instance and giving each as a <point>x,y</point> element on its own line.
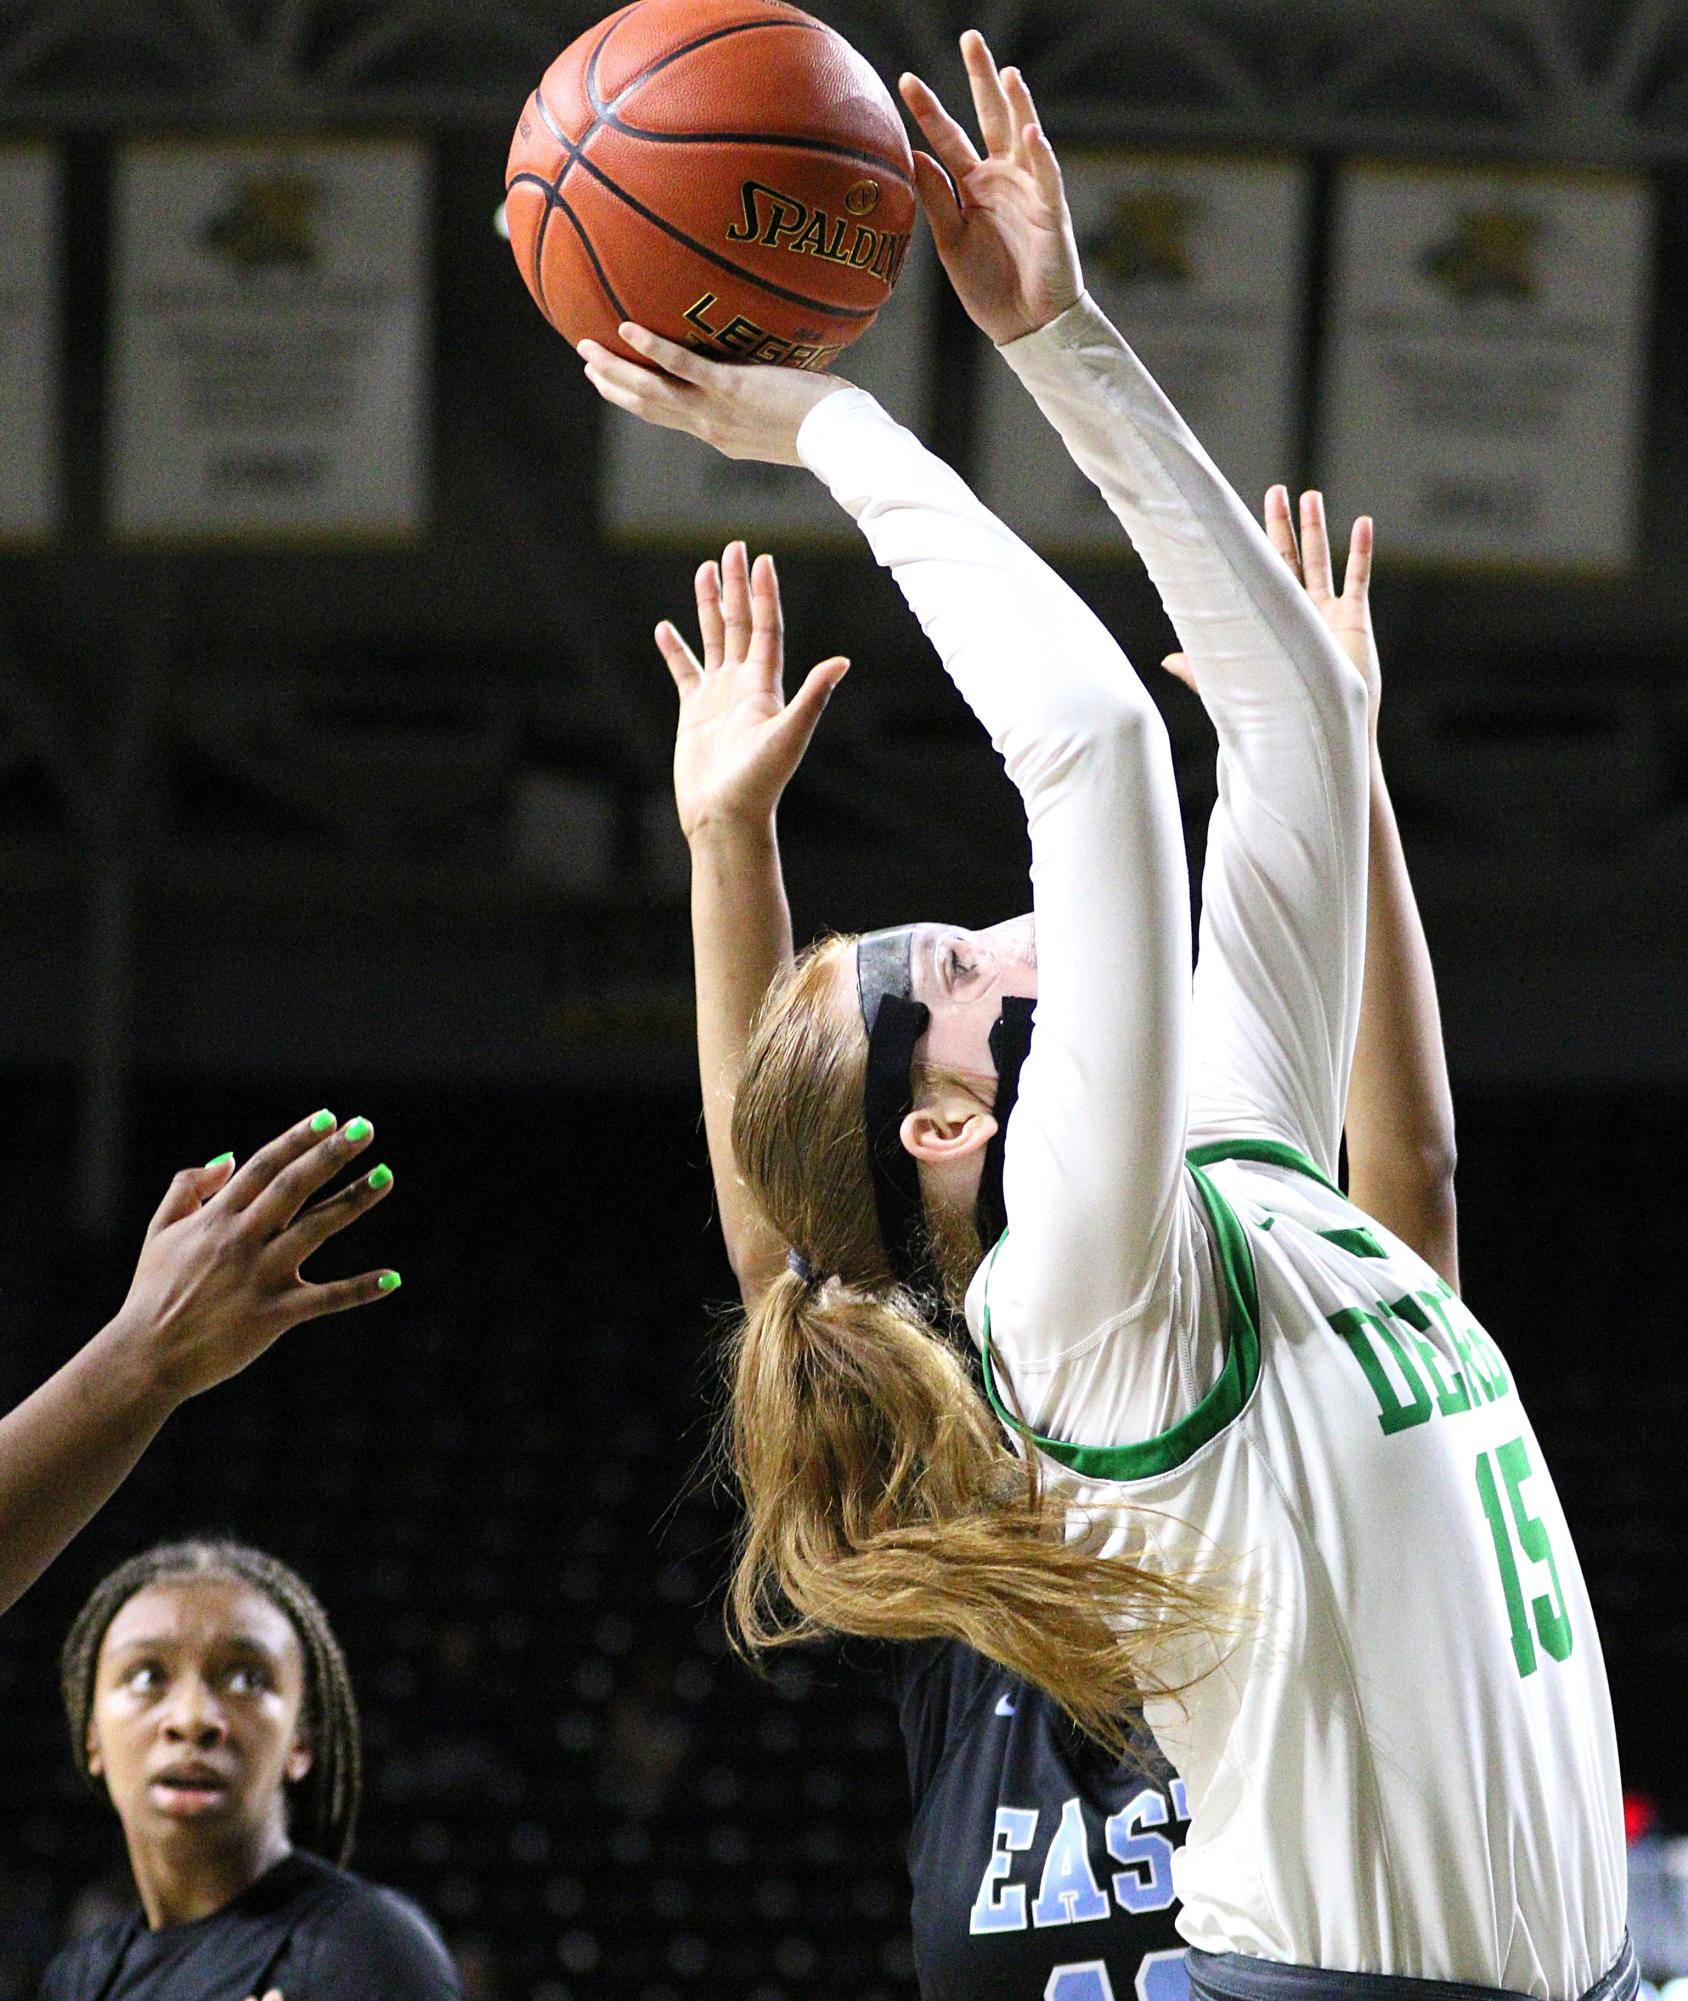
<point>1042,1869</point>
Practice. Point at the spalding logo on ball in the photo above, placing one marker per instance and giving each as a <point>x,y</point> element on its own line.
<point>728,173</point>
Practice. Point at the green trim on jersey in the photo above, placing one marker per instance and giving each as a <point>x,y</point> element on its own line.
<point>1215,1411</point>
<point>1267,1153</point>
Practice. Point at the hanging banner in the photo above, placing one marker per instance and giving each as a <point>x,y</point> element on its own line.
<point>29,195</point>
<point>665,488</point>
<point>1487,355</point>
<point>270,320</point>
<point>1200,264</point>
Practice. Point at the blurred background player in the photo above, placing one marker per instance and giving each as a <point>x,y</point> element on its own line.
<point>207,1695</point>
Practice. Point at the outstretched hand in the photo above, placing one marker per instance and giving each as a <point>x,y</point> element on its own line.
<point>218,1278</point>
<point>744,410</point>
<point>739,740</point>
<point>1001,223</point>
<point>1348,613</point>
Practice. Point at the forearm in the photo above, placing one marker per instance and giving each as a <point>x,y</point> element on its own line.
<point>1241,617</point>
<point>1400,1123</point>
<point>1283,928</point>
<point>67,1449</point>
<point>992,609</point>
<point>1094,1161</point>
<point>741,942</point>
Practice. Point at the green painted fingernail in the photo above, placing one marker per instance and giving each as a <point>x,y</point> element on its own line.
<point>220,1160</point>
<point>381,1177</point>
<point>359,1129</point>
<point>389,1281</point>
<point>323,1122</point>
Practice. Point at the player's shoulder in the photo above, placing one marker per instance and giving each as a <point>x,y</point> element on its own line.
<point>932,1670</point>
<point>944,1692</point>
<point>380,1929</point>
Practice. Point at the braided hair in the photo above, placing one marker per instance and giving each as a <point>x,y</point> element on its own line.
<point>323,1805</point>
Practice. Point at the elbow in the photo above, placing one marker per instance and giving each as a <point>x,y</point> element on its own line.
<point>1433,1171</point>
<point>1092,730</point>
<point>1410,1186</point>
<point>1423,1157</point>
<point>1125,730</point>
<point>1437,1157</point>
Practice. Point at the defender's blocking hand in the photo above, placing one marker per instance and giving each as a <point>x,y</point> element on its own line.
<point>218,1278</point>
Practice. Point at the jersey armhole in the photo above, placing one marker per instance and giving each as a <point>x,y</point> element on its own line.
<point>1264,1153</point>
<point>1235,1384</point>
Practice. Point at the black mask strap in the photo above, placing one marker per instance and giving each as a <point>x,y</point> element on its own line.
<point>1011,1040</point>
<point>898,1024</point>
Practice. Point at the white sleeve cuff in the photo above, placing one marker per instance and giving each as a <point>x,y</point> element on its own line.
<point>1082,324</point>
<point>837,430</point>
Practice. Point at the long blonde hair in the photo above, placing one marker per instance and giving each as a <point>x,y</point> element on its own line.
<point>880,1497</point>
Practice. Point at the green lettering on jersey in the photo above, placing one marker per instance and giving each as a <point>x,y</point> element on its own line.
<point>1475,1350</point>
<point>1451,1400</point>
<point>1523,1647</point>
<point>1474,1370</point>
<point>1497,1368</point>
<point>1406,1326</point>
<point>1553,1625</point>
<point>1361,1243</point>
<point>1553,1628</point>
<point>1393,1413</point>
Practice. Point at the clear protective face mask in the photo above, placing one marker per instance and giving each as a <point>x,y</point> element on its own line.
<point>895,1021</point>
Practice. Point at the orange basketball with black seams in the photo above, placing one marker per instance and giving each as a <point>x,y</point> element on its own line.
<point>729,173</point>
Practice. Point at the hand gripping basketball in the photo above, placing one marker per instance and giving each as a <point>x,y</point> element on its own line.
<point>745,413</point>
<point>730,173</point>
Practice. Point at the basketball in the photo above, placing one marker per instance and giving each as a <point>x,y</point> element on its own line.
<point>729,173</point>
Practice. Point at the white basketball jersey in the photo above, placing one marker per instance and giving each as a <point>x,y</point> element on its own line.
<point>1405,1763</point>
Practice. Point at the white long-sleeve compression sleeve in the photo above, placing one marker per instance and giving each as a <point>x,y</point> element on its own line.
<point>1277,990</point>
<point>1094,1163</point>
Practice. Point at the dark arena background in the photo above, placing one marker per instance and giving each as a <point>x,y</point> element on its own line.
<point>347,784</point>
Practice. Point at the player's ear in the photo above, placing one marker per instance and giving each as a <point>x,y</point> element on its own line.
<point>300,1758</point>
<point>940,1135</point>
<point>91,1748</point>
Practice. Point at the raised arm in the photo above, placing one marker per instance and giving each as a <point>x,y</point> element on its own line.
<point>1400,1118</point>
<point>217,1282</point>
<point>1094,1165</point>
<point>1277,997</point>
<point>1400,1126</point>
<point>737,744</point>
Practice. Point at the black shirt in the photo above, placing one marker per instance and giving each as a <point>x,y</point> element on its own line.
<point>316,1932</point>
<point>1042,1869</point>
